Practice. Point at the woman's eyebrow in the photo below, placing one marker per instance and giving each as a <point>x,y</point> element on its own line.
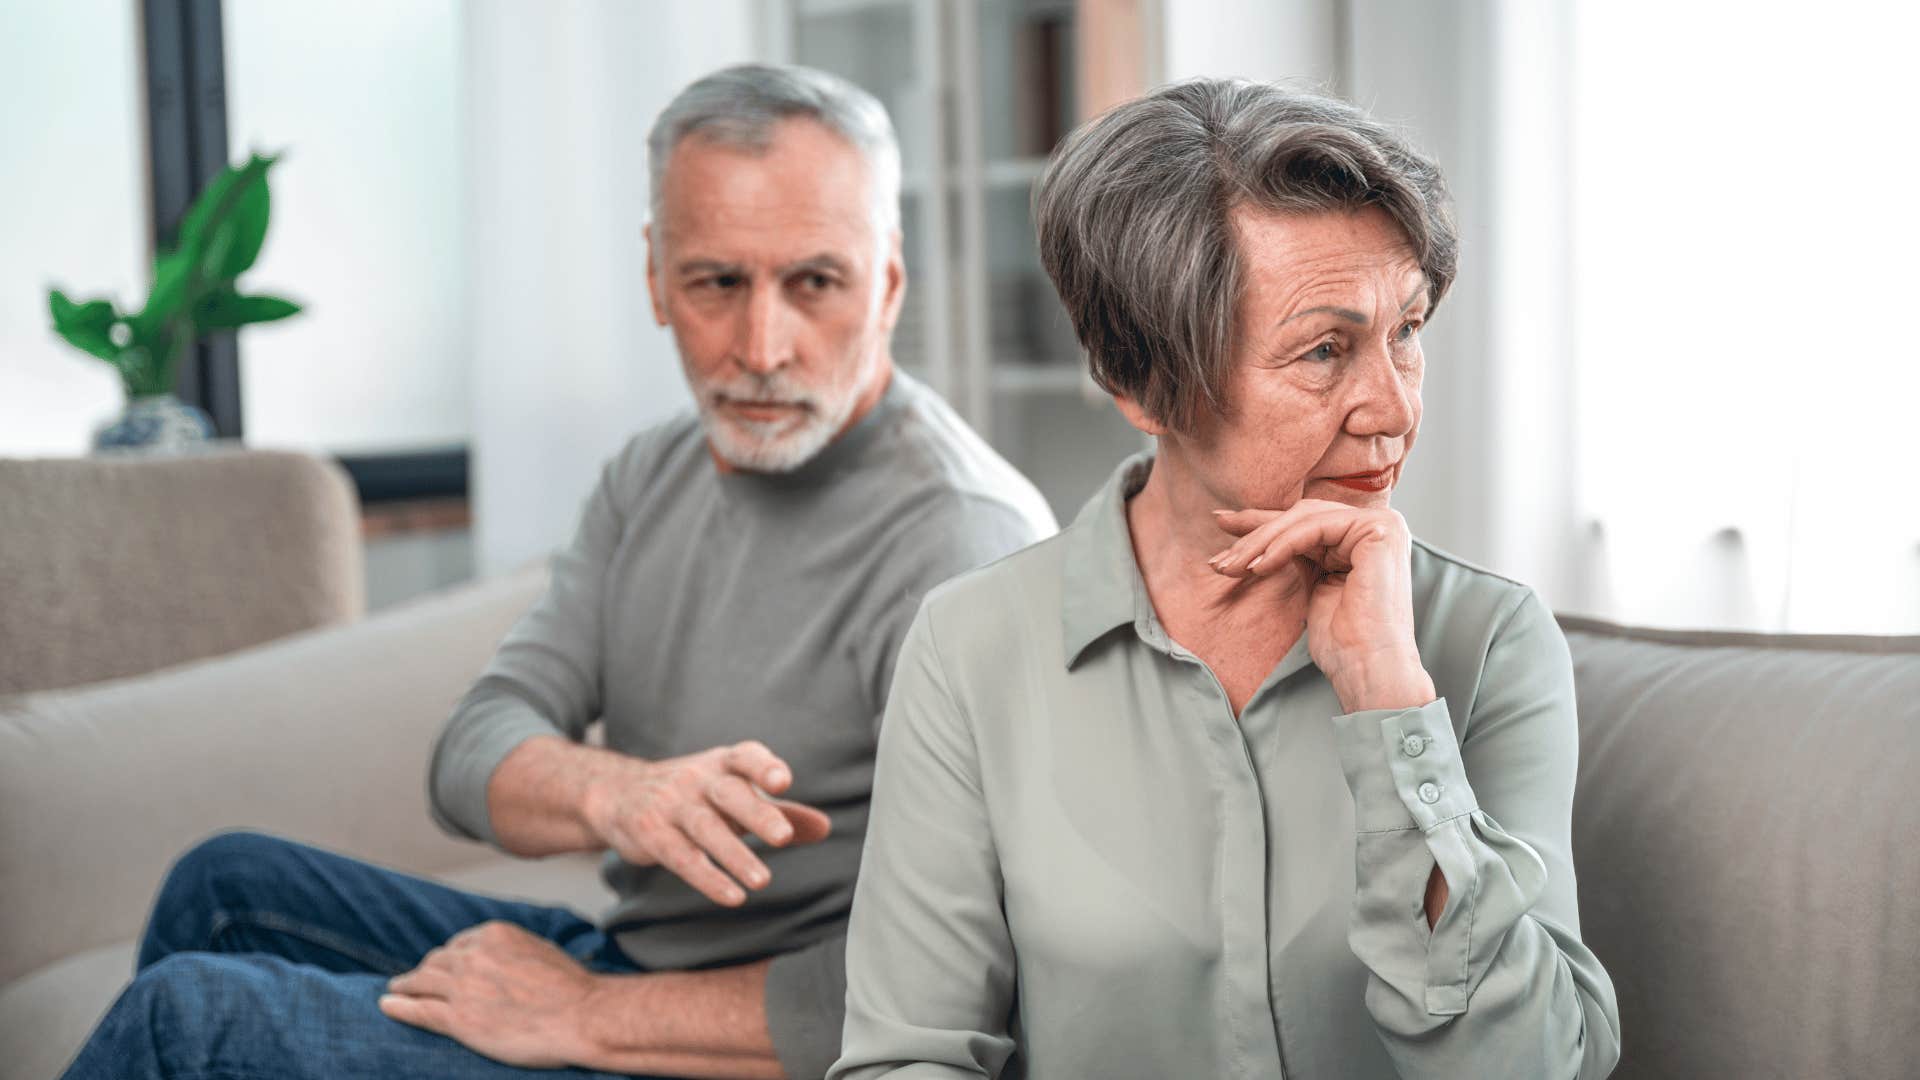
<point>1352,316</point>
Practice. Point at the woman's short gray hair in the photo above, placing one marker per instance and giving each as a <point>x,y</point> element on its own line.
<point>739,107</point>
<point>1133,216</point>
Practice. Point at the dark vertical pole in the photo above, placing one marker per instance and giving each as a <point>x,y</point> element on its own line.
<point>187,145</point>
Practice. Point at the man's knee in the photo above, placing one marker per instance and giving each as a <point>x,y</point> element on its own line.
<point>183,1003</point>
<point>218,874</point>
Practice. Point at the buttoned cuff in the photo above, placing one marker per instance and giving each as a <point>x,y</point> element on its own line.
<point>1403,767</point>
<point>1413,810</point>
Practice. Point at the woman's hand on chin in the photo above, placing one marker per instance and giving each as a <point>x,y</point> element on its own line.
<point>1360,613</point>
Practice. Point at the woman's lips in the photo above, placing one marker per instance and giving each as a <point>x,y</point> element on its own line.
<point>1378,481</point>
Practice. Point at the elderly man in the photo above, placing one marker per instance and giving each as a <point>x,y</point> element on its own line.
<point>730,607</point>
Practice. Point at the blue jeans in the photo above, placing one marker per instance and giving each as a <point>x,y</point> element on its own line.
<point>263,960</point>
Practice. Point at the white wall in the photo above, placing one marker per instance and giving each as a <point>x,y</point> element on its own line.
<point>1254,39</point>
<point>1425,68</point>
<point>73,185</point>
<point>566,361</point>
<point>364,97</point>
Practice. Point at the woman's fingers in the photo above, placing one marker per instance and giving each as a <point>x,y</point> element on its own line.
<point>1259,545</point>
<point>1327,537</point>
<point>1242,522</point>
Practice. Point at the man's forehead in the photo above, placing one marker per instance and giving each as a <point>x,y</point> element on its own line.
<point>771,243</point>
<point>800,165</point>
<point>784,204</point>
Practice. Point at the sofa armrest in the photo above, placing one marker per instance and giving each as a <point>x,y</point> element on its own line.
<point>322,737</point>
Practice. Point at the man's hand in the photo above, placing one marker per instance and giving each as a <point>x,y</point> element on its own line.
<point>499,991</point>
<point>687,814</point>
<point>1360,613</point>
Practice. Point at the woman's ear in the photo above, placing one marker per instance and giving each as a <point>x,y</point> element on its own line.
<point>1138,416</point>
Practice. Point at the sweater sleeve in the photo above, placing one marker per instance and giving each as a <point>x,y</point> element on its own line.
<point>543,680</point>
<point>806,1006</point>
<point>1502,985</point>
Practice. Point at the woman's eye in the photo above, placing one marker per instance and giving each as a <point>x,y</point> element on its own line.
<point>1321,353</point>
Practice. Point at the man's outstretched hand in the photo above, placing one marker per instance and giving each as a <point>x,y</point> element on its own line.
<point>688,813</point>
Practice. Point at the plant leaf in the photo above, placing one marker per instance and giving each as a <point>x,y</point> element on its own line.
<point>171,273</point>
<point>208,209</point>
<point>227,224</point>
<point>91,342</point>
<point>227,309</point>
<point>248,229</point>
<point>92,315</point>
<point>84,326</point>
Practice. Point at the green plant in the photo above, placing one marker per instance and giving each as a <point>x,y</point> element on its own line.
<point>193,291</point>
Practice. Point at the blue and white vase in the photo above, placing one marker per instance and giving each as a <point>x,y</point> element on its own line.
<point>158,423</point>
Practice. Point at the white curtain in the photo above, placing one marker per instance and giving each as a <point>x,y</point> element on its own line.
<point>1675,384</point>
<point>1746,264</point>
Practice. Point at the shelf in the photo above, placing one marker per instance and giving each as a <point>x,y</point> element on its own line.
<point>825,9</point>
<point>1005,174</point>
<point>1014,172</point>
<point>1042,378</point>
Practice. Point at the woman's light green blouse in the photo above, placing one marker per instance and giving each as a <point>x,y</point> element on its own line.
<point>1080,864</point>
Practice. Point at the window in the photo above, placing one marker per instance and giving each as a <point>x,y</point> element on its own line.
<point>1745,265</point>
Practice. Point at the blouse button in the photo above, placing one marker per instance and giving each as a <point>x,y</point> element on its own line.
<point>1429,793</point>
<point>1414,745</point>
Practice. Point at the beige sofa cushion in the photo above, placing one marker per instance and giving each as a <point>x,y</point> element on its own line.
<point>322,737</point>
<point>119,565</point>
<point>1745,830</point>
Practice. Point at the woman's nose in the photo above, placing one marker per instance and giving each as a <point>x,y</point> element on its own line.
<point>1386,397</point>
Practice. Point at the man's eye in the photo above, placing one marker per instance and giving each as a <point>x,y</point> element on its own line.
<point>1408,330</point>
<point>1321,353</point>
<point>816,282</point>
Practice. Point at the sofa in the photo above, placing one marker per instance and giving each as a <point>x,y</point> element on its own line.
<point>302,719</point>
<point>1746,827</point>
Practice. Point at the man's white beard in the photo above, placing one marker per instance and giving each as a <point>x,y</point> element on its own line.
<point>775,446</point>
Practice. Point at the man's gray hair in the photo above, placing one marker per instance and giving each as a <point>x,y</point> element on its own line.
<point>739,107</point>
<point>1134,226</point>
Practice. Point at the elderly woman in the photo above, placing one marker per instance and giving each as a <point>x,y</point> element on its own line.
<point>1233,777</point>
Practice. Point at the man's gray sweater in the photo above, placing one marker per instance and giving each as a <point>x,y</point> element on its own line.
<point>695,608</point>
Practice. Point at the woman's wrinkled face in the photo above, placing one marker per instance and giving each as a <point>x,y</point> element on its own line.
<point>1327,363</point>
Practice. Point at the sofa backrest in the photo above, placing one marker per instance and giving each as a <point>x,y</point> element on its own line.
<point>114,566</point>
<point>1747,835</point>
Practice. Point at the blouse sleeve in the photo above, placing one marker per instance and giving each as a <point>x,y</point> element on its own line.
<point>1502,985</point>
<point>930,966</point>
